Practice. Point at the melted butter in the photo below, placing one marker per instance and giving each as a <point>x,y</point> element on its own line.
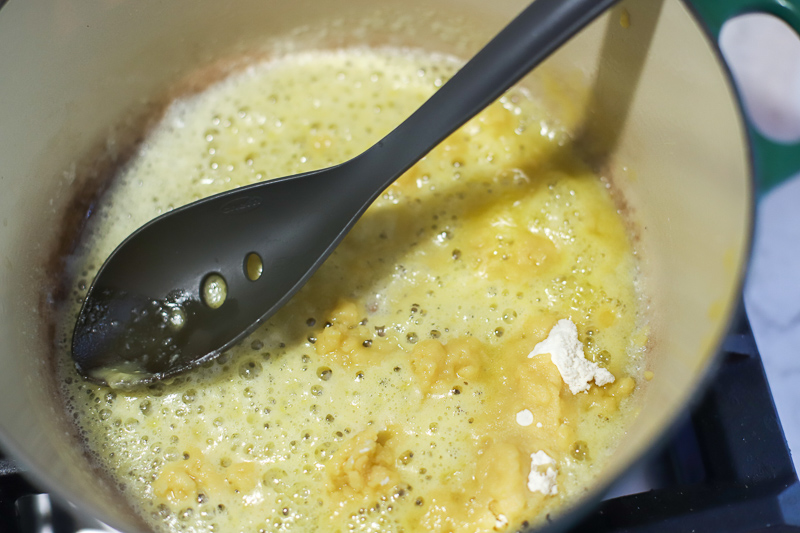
<point>121,377</point>
<point>384,396</point>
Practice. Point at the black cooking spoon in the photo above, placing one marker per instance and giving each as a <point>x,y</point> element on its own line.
<point>191,283</point>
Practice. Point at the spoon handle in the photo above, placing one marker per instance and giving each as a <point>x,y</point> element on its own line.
<point>530,38</point>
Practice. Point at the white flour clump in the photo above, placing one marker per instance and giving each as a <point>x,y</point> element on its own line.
<point>525,418</point>
<point>544,482</point>
<point>566,352</point>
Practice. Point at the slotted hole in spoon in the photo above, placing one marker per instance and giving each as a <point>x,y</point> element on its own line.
<point>214,290</point>
<point>253,266</point>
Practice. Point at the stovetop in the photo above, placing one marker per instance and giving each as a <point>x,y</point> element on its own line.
<point>726,469</point>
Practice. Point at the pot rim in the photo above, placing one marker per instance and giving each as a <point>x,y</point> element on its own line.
<point>580,509</point>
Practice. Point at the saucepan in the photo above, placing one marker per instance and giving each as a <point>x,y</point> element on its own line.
<point>644,86</point>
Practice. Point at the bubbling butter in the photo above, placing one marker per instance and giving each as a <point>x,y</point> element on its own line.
<point>386,395</point>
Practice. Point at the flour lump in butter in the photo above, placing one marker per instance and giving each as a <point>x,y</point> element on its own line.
<point>525,418</point>
<point>566,352</point>
<point>544,482</point>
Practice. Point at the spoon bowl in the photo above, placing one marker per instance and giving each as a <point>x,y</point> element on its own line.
<point>148,315</point>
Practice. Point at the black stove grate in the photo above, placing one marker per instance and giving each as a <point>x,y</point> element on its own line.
<point>727,469</point>
<point>12,487</point>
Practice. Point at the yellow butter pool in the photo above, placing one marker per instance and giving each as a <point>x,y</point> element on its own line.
<point>387,395</point>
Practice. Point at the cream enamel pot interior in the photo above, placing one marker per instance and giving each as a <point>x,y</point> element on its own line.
<point>651,101</point>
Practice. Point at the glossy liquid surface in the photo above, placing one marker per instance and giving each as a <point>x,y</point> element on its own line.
<point>387,394</point>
